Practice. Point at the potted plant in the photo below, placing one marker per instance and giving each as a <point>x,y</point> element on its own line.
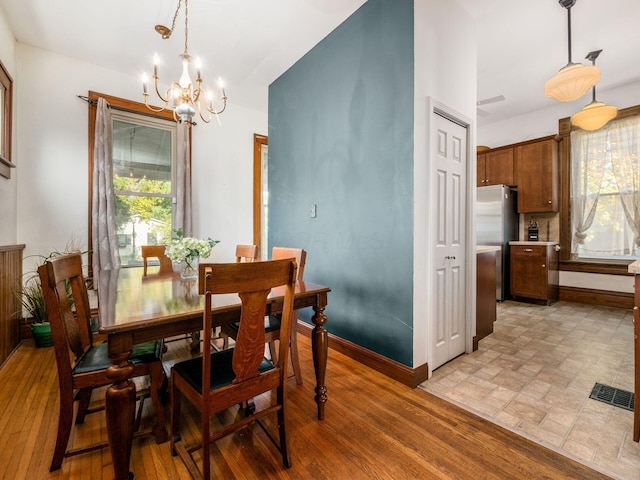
<point>29,293</point>
<point>32,301</point>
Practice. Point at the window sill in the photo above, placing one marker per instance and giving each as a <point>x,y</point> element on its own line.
<point>608,267</point>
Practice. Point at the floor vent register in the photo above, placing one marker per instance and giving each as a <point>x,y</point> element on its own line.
<point>612,396</point>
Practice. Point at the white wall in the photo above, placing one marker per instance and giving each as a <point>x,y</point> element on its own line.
<point>544,122</point>
<point>52,148</point>
<point>8,187</point>
<point>446,70</point>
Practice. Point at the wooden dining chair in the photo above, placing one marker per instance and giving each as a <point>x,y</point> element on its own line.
<point>272,323</point>
<point>156,251</point>
<point>221,380</point>
<point>81,364</point>
<point>246,253</point>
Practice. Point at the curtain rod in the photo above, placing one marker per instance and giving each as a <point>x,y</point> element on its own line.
<point>94,103</point>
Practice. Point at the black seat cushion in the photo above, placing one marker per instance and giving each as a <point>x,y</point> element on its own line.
<point>271,324</point>
<point>221,369</point>
<point>97,357</point>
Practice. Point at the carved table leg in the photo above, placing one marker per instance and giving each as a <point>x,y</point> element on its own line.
<point>319,344</point>
<point>120,406</point>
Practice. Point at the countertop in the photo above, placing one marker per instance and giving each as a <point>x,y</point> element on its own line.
<point>516,242</point>
<point>491,248</point>
<point>634,267</point>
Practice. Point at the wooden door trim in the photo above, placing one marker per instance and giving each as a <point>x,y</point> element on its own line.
<point>258,142</point>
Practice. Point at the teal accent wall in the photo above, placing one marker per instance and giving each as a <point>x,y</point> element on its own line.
<point>341,137</point>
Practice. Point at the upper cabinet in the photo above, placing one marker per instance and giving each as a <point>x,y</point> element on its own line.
<point>536,166</point>
<point>495,167</point>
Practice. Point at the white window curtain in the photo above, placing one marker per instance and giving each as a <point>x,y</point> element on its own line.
<point>587,169</point>
<point>605,188</point>
<point>183,181</point>
<point>625,160</point>
<point>103,224</point>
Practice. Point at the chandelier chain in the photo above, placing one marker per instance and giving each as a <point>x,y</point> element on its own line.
<point>175,15</point>
<point>186,26</point>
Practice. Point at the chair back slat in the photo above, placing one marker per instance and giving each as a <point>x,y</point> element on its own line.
<point>155,251</point>
<point>246,253</point>
<point>66,279</point>
<point>278,253</point>
<point>253,282</point>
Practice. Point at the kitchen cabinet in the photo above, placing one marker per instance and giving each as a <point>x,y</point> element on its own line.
<point>536,166</point>
<point>534,271</point>
<point>495,167</point>
<point>485,291</point>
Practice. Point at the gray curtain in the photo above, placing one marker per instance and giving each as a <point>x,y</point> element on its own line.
<point>183,181</point>
<point>103,224</point>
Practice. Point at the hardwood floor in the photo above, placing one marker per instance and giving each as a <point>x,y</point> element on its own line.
<point>374,428</point>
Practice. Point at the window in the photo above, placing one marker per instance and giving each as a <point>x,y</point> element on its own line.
<point>144,153</point>
<point>6,97</point>
<point>144,159</point>
<point>605,188</point>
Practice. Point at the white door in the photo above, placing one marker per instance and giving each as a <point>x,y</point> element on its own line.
<point>449,232</point>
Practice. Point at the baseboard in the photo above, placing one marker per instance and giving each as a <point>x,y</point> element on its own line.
<point>411,377</point>
<point>605,298</point>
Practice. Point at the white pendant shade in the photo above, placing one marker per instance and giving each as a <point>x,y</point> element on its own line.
<point>572,82</point>
<point>594,116</point>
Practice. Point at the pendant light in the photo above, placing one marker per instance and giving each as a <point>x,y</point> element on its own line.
<point>574,79</point>
<point>597,114</point>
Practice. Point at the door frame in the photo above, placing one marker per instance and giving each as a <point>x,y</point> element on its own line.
<point>435,107</point>
<point>258,142</point>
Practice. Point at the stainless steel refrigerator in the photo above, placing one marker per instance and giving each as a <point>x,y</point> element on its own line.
<point>497,224</point>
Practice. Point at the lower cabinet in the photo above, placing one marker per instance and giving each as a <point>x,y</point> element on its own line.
<point>485,294</point>
<point>534,272</point>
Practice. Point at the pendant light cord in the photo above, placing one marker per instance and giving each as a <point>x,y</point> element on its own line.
<point>569,33</point>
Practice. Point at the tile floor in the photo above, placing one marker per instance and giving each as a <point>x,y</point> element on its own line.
<point>535,373</point>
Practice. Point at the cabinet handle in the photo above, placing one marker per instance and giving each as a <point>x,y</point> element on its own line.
<point>528,249</point>
<point>549,202</point>
<point>543,265</point>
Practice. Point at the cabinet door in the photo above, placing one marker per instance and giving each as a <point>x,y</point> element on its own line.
<point>529,272</point>
<point>480,170</point>
<point>499,167</point>
<point>537,170</point>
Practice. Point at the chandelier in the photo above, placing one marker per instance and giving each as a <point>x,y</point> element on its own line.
<point>182,96</point>
<point>597,114</point>
<point>574,79</point>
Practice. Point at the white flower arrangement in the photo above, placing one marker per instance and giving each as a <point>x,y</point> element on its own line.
<point>186,249</point>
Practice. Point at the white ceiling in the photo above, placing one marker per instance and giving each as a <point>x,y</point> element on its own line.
<point>250,43</point>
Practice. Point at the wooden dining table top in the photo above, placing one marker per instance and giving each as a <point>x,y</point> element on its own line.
<point>128,300</point>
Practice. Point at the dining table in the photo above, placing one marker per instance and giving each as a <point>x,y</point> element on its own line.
<point>135,309</point>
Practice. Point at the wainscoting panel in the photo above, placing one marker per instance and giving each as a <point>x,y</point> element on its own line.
<point>10,275</point>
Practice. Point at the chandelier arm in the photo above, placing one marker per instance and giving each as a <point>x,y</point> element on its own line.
<point>218,112</point>
<point>153,109</point>
<point>198,90</point>
<point>155,84</point>
<point>205,120</point>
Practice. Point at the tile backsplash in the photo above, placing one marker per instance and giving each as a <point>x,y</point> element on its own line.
<point>548,226</point>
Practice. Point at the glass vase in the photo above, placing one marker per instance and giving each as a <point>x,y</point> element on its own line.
<point>189,268</point>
